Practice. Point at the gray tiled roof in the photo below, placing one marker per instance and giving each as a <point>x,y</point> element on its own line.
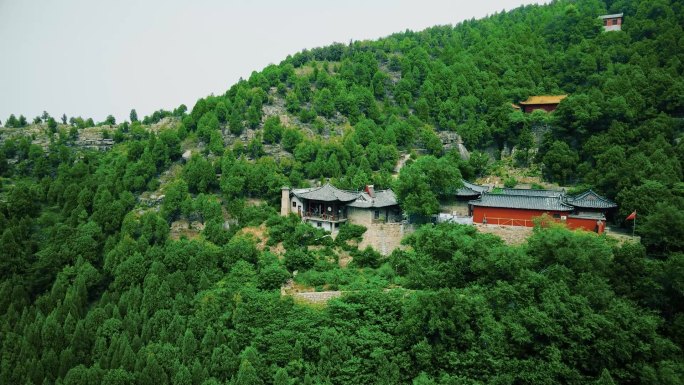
<point>529,192</point>
<point>613,16</point>
<point>470,189</point>
<point>326,193</point>
<point>590,199</point>
<point>596,216</point>
<point>529,202</point>
<point>382,198</point>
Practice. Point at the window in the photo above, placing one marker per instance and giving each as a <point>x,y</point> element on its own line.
<point>376,214</point>
<point>556,216</point>
<point>318,224</point>
<point>294,204</point>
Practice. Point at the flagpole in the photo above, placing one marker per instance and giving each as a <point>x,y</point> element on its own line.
<point>634,224</point>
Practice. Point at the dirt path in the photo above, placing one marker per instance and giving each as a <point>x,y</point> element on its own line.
<point>402,161</point>
<point>621,235</point>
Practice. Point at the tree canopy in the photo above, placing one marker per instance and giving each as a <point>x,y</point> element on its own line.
<point>139,265</point>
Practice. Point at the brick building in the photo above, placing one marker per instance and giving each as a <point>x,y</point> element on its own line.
<point>612,22</point>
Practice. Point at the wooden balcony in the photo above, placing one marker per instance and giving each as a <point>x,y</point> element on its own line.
<point>324,217</point>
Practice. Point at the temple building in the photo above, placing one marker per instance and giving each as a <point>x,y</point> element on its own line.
<point>327,206</point>
<point>520,207</point>
<point>546,103</point>
<point>470,190</point>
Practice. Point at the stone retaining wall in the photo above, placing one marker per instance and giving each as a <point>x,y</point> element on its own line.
<point>317,296</point>
<point>385,237</point>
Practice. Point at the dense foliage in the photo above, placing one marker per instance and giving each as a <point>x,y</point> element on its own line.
<point>101,284</point>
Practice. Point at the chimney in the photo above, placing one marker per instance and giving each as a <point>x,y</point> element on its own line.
<point>285,201</point>
<point>370,189</point>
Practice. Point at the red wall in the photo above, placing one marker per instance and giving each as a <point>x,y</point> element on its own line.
<point>511,217</point>
<point>585,224</point>
<point>522,217</point>
<point>546,107</point>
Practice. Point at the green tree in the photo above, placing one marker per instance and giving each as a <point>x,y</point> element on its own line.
<point>247,375</point>
<point>175,196</point>
<point>235,122</point>
<point>240,248</point>
<point>422,183</point>
<point>324,103</point>
<point>12,121</point>
<point>221,112</point>
<point>662,230</point>
<point>299,260</point>
<point>291,138</point>
<point>281,377</point>
<point>199,174</point>
<point>560,162</point>
<point>272,277</point>
<point>52,125</point>
<point>273,130</point>
<point>207,125</point>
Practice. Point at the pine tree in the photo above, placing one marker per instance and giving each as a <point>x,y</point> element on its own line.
<point>182,376</point>
<point>12,121</point>
<point>281,377</point>
<point>247,375</point>
<point>209,341</point>
<point>189,346</point>
<point>605,378</point>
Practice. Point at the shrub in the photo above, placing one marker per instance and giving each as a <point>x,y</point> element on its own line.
<point>349,231</point>
<point>272,277</point>
<point>366,258</point>
<point>510,182</point>
<point>240,248</point>
<point>298,259</point>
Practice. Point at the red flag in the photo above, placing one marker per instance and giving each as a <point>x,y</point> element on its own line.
<point>631,216</point>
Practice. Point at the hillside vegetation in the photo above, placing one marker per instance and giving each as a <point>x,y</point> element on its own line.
<point>142,265</point>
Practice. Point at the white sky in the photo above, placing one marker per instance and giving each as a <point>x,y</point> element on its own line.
<point>98,57</point>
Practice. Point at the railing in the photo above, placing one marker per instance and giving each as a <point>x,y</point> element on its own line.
<point>460,219</point>
<point>325,217</point>
<point>508,222</point>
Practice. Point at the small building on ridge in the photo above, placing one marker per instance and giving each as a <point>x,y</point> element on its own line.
<point>546,103</point>
<point>612,22</point>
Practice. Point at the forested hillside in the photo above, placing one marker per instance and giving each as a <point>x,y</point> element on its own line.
<point>160,260</point>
